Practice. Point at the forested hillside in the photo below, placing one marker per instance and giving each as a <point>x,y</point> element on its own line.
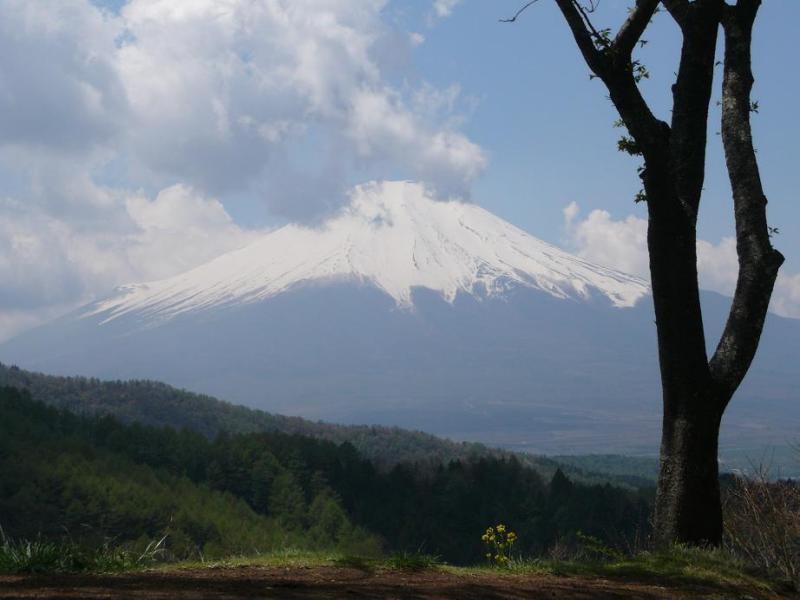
<point>158,404</point>
<point>93,476</point>
<point>635,469</point>
<point>96,480</point>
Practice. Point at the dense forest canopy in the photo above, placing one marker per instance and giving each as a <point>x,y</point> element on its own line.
<point>97,478</point>
<point>157,404</point>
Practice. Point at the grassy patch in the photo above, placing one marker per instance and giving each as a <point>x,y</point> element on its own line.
<point>42,556</point>
<point>361,563</point>
<point>293,558</point>
<point>283,558</point>
<point>413,561</point>
<point>678,567</point>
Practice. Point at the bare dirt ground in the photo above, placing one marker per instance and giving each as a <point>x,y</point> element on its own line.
<point>333,582</point>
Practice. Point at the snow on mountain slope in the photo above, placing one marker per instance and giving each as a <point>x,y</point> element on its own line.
<point>392,235</point>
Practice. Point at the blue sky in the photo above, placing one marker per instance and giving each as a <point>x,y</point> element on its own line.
<point>548,128</point>
<point>140,138</point>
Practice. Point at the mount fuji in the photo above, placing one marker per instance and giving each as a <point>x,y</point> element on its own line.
<point>404,310</point>
<point>394,237</point>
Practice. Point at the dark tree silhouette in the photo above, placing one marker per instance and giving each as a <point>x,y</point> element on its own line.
<point>696,389</point>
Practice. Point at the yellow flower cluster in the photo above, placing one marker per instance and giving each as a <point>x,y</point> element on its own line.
<point>499,542</point>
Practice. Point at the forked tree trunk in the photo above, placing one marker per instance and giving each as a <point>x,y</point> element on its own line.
<point>695,390</point>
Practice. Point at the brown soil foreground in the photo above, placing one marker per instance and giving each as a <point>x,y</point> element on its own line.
<point>333,582</point>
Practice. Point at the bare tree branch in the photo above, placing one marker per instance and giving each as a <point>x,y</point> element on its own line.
<point>633,28</point>
<point>758,260</point>
<point>583,36</point>
<point>598,52</point>
<point>518,13</point>
<point>650,133</point>
<point>584,11</point>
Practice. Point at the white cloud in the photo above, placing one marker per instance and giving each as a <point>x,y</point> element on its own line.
<point>718,265</point>
<point>570,211</point>
<point>383,128</point>
<point>178,230</point>
<point>60,90</point>
<point>417,39</point>
<point>49,266</point>
<point>206,101</point>
<point>787,295</point>
<point>222,91</point>
<point>622,244</point>
<point>618,244</point>
<point>444,8</point>
<point>222,94</point>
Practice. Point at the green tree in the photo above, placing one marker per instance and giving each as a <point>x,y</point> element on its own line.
<point>287,502</point>
<point>328,523</point>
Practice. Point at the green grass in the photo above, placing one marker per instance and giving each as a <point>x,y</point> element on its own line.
<point>413,561</point>
<point>709,571</point>
<point>294,558</point>
<point>285,558</point>
<point>362,563</point>
<point>678,567</point>
<point>44,556</point>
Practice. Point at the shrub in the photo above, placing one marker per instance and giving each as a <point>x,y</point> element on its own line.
<point>762,523</point>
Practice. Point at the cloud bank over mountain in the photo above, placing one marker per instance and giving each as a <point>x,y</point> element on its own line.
<point>622,244</point>
<point>125,137</point>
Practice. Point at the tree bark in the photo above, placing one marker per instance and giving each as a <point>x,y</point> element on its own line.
<point>688,508</point>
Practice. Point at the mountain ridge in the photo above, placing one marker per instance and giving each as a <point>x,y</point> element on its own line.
<point>393,235</point>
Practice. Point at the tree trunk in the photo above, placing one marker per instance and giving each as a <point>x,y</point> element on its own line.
<point>695,390</point>
<point>687,502</point>
<point>688,508</point>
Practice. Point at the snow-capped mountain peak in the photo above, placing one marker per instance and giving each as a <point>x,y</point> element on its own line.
<point>395,236</point>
